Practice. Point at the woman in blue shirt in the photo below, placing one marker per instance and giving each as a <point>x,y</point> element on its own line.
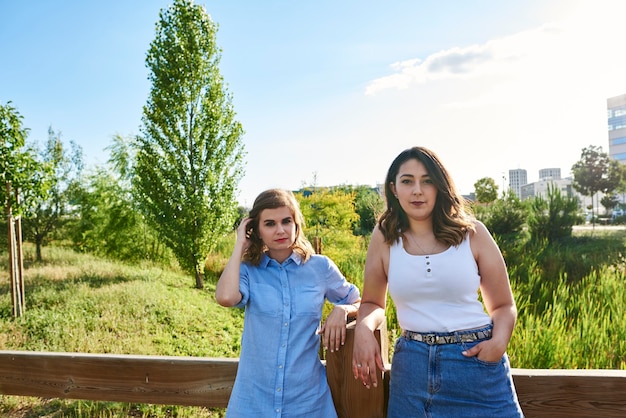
<point>274,274</point>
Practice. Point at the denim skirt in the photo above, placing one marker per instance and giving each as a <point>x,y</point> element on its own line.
<point>436,381</point>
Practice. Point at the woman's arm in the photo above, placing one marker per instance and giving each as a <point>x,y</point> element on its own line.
<point>366,355</point>
<point>227,290</point>
<point>496,293</point>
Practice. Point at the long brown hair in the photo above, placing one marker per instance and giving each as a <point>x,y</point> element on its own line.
<point>451,218</point>
<point>272,199</point>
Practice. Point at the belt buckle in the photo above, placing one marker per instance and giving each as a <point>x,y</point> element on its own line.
<point>430,339</point>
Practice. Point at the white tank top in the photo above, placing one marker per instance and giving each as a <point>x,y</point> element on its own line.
<point>436,293</point>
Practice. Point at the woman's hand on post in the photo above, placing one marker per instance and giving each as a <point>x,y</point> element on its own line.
<point>334,329</point>
<point>366,357</point>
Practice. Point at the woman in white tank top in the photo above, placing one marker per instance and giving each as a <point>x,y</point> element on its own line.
<point>434,257</point>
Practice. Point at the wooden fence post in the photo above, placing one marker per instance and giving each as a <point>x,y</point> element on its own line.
<point>351,398</point>
<point>15,262</point>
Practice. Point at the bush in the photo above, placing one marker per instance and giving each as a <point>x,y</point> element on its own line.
<point>554,217</point>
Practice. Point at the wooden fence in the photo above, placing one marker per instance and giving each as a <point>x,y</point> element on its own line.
<point>207,382</point>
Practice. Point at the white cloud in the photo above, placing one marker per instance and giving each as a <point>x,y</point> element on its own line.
<point>530,100</point>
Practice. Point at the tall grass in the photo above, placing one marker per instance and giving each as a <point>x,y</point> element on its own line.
<point>571,299</point>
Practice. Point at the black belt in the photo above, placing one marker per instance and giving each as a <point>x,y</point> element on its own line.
<point>451,338</point>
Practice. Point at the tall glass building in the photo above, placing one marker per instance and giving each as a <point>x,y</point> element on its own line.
<point>616,113</point>
<point>517,179</point>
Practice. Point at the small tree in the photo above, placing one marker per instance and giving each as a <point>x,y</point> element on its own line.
<point>596,172</point>
<point>609,201</point>
<point>189,158</point>
<point>554,217</point>
<point>486,190</point>
<point>21,184</point>
<point>50,213</point>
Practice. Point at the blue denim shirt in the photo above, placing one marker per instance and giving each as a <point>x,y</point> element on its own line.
<point>280,373</point>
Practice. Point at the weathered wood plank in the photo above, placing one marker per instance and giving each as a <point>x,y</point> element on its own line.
<point>571,393</point>
<point>165,380</point>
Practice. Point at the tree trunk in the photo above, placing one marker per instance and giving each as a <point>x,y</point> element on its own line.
<point>38,242</point>
<point>199,280</point>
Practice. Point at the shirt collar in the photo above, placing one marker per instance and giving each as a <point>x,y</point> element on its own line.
<point>294,257</point>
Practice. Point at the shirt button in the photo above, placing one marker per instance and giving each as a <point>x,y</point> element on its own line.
<point>278,390</point>
<point>286,324</point>
<point>277,410</point>
<point>280,366</point>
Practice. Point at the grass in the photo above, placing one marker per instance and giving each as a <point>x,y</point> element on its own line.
<point>78,303</point>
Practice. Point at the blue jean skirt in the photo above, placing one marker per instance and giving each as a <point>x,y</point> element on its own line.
<point>436,380</point>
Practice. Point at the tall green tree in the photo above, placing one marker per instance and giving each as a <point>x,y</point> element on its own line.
<point>48,215</point>
<point>596,172</point>
<point>486,190</point>
<point>189,156</point>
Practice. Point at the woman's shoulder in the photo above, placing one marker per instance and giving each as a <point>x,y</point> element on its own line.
<point>320,259</point>
<point>378,239</point>
<point>478,228</point>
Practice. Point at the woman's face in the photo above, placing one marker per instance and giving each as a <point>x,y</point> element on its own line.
<point>415,190</point>
<point>277,230</point>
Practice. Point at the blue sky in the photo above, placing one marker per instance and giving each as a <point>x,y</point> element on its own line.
<point>331,91</point>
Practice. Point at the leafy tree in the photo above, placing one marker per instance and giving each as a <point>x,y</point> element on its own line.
<point>189,158</point>
<point>108,224</point>
<point>328,209</point>
<point>21,183</point>
<point>368,204</point>
<point>50,213</point>
<point>554,217</point>
<point>486,190</point>
<point>19,167</point>
<point>609,201</point>
<point>596,172</point>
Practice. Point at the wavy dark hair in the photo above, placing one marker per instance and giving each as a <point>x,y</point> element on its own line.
<point>272,199</point>
<point>452,219</point>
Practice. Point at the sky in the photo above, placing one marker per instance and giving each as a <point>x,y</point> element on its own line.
<point>329,92</point>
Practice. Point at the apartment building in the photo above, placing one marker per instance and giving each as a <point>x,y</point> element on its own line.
<point>616,116</point>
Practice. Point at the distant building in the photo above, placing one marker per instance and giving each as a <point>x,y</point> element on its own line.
<point>550,174</point>
<point>540,188</point>
<point>616,115</point>
<point>517,178</point>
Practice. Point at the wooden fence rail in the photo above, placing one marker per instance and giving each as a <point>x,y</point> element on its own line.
<point>191,381</point>
<point>201,381</point>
